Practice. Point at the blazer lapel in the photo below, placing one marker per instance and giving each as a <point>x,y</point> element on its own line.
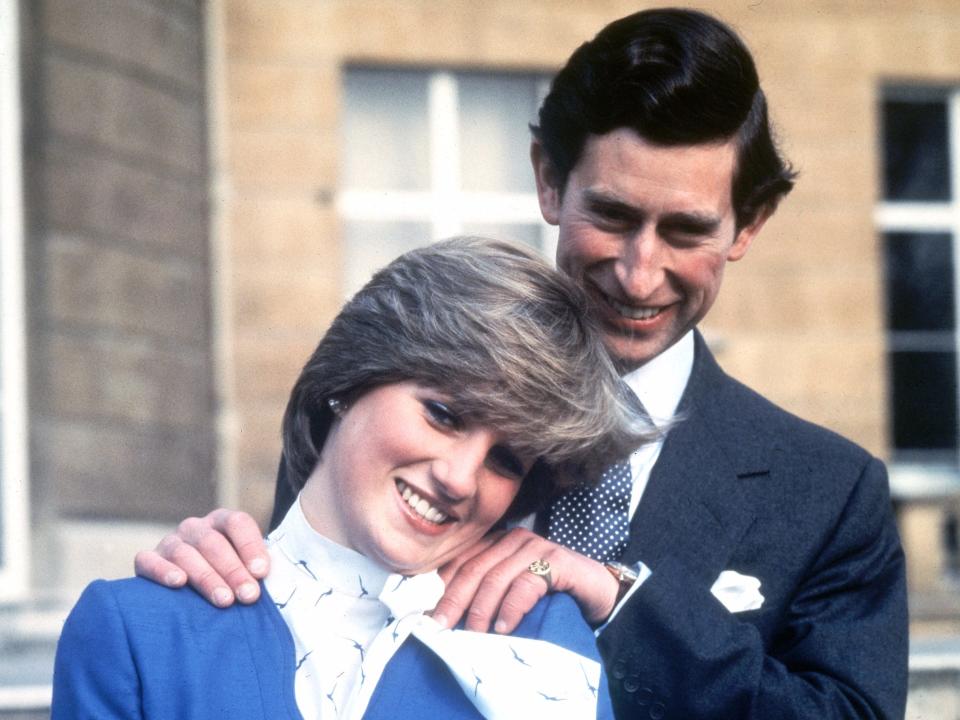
<point>694,507</point>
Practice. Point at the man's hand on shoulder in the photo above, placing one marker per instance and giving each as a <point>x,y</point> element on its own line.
<point>221,555</point>
<point>492,583</point>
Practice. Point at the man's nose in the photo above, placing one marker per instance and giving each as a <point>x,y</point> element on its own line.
<point>458,468</point>
<point>641,265</point>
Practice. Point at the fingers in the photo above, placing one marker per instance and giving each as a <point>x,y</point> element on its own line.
<point>495,585</point>
<point>464,583</point>
<point>220,555</point>
<point>509,590</point>
<point>449,571</point>
<point>200,574</point>
<point>246,538</point>
<point>523,593</point>
<point>150,565</point>
<point>202,547</point>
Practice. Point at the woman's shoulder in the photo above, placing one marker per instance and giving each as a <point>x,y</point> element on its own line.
<point>136,596</point>
<point>172,651</point>
<point>152,610</point>
<point>557,619</point>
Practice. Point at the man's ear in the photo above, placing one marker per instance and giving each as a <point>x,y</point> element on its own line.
<point>548,186</point>
<point>746,235</point>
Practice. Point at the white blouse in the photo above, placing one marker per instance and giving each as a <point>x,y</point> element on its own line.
<point>348,616</point>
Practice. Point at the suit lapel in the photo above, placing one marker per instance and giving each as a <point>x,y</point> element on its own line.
<point>694,507</point>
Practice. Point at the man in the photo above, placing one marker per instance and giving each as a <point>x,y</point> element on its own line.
<point>654,157</point>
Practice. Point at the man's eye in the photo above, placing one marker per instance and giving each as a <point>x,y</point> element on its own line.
<point>611,217</point>
<point>682,234</point>
<point>442,415</point>
<point>503,461</point>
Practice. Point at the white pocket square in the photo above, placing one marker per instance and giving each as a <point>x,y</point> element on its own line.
<point>737,592</point>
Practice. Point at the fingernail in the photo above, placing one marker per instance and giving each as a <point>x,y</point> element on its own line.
<point>175,578</point>
<point>257,565</point>
<point>247,592</point>
<point>500,627</point>
<point>222,597</point>
<point>441,619</point>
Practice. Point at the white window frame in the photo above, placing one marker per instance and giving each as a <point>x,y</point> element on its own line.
<point>14,466</point>
<point>915,479</point>
<point>444,205</point>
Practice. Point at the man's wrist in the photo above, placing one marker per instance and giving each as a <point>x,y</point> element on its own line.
<point>625,575</point>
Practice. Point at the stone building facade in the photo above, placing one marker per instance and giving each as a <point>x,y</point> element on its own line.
<point>196,208</point>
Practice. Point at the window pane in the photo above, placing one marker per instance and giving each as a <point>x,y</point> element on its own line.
<point>369,245</point>
<point>919,269</point>
<point>528,234</point>
<point>385,130</point>
<point>494,137</point>
<point>916,158</point>
<point>924,400</point>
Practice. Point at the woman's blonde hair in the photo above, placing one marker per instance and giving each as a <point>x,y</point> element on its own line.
<point>491,325</point>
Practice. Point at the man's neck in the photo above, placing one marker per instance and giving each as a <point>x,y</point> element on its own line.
<point>659,383</point>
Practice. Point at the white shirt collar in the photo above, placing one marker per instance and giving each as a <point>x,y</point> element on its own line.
<point>339,566</point>
<point>344,636</point>
<point>659,383</point>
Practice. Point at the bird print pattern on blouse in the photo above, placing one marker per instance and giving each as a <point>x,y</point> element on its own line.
<point>348,617</point>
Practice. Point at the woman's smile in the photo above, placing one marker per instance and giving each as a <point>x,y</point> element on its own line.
<point>420,504</point>
<point>404,479</point>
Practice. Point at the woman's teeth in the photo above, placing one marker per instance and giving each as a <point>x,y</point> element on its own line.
<point>420,506</point>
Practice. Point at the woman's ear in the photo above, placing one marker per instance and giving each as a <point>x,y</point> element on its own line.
<point>337,406</point>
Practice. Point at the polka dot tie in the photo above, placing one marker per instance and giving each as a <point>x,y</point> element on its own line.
<point>594,520</point>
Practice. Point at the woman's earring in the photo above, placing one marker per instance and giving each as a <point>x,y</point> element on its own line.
<point>337,406</point>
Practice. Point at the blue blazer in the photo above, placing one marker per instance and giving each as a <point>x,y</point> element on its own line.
<point>743,485</point>
<point>133,649</point>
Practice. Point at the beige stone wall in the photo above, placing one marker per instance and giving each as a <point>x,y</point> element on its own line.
<point>121,409</point>
<point>802,315</point>
<point>800,318</point>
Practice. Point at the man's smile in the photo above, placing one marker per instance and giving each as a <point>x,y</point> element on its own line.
<point>628,311</point>
<point>633,313</point>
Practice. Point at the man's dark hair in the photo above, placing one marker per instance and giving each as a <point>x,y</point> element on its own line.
<point>675,77</point>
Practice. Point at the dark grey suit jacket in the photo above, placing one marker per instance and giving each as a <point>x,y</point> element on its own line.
<point>742,485</point>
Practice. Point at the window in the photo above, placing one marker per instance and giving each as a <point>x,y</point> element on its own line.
<point>13,443</point>
<point>919,218</point>
<point>432,154</point>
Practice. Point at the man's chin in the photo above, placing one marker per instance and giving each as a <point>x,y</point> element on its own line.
<point>630,353</point>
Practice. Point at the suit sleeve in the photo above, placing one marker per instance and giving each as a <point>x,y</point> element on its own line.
<point>95,677</point>
<point>840,650</point>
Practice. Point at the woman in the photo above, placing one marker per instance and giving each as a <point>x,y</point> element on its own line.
<point>462,386</point>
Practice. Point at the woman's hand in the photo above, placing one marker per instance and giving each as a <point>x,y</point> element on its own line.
<point>492,579</point>
<point>221,555</point>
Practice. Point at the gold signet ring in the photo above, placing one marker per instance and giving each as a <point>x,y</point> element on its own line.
<point>541,568</point>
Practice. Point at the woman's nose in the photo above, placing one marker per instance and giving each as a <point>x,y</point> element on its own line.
<point>458,469</point>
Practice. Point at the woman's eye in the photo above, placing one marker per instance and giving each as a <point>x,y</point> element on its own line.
<point>503,461</point>
<point>442,415</point>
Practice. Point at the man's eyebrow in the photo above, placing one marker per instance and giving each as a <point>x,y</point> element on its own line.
<point>692,221</point>
<point>603,201</point>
